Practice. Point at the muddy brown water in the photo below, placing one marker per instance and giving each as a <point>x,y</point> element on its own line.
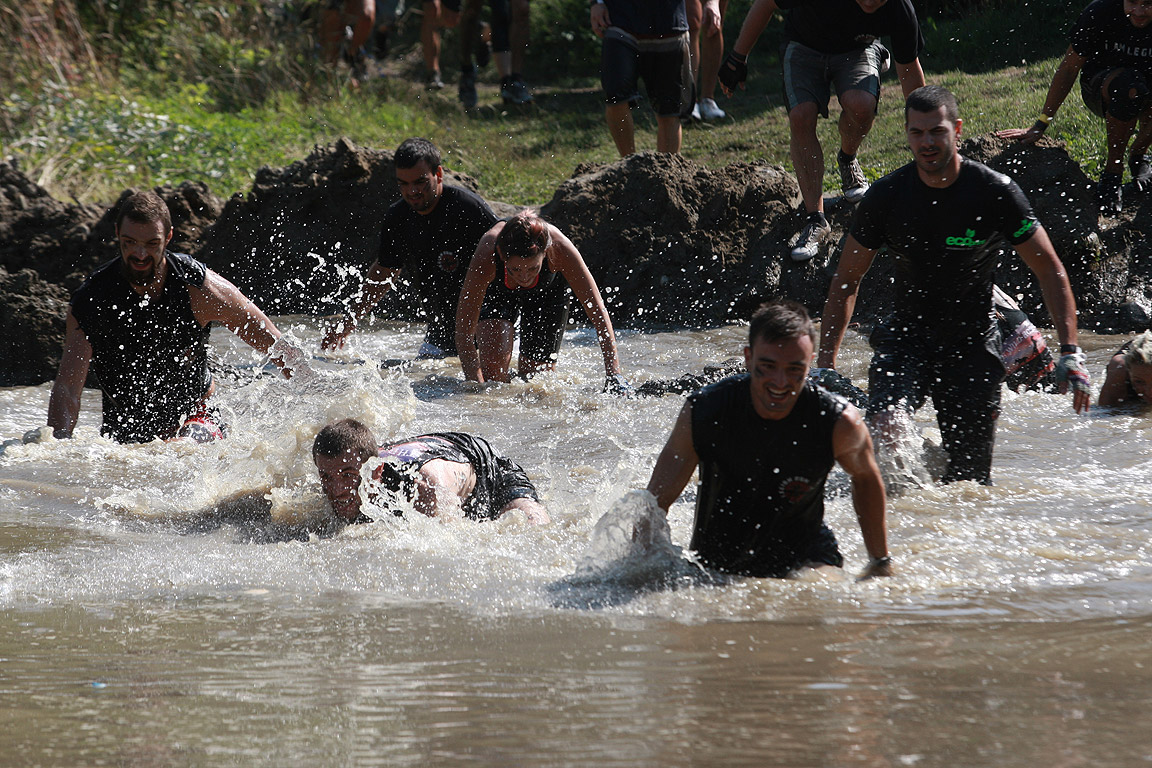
<point>152,616</point>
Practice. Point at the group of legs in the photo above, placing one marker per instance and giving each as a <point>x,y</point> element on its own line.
<point>346,27</point>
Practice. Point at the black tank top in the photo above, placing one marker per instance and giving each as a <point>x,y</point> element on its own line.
<point>151,356</point>
<point>760,508</point>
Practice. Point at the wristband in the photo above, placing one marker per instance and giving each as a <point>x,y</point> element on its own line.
<point>740,57</point>
<point>1069,349</point>
<point>1044,119</point>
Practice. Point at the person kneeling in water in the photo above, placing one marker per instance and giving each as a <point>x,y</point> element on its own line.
<point>449,473</point>
<point>1128,377</point>
<point>523,268</point>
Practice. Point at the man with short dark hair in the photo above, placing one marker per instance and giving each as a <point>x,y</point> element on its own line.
<point>942,217</point>
<point>430,233</point>
<point>442,473</point>
<point>765,442</point>
<point>142,322</point>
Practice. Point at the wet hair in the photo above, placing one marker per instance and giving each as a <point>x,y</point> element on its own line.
<point>1139,350</point>
<point>412,151</point>
<point>930,98</point>
<point>781,319</point>
<point>524,236</point>
<point>144,208</point>
<point>345,436</point>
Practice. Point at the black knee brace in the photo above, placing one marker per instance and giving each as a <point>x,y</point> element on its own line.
<point>1128,95</point>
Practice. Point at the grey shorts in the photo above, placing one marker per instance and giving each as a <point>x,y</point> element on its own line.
<point>809,73</point>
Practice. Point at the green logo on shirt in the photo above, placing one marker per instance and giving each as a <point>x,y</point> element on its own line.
<point>1026,226</point>
<point>968,241</point>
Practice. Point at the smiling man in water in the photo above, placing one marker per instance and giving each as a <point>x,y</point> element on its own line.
<point>142,322</point>
<point>765,442</point>
<point>430,234</point>
<point>942,217</point>
<point>443,473</point>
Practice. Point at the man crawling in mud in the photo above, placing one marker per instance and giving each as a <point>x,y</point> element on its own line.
<point>443,473</point>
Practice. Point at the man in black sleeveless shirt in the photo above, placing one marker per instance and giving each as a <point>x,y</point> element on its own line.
<point>142,322</point>
<point>942,218</point>
<point>430,234</point>
<point>765,442</point>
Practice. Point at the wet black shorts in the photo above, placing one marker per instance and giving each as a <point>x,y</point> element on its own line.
<point>542,311</point>
<point>963,381</point>
<point>499,480</point>
<point>664,64</point>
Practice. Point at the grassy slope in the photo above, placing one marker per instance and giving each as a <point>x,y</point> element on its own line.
<point>89,144</point>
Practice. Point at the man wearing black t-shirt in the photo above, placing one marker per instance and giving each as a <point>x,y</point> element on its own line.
<point>430,233</point>
<point>1111,51</point>
<point>942,217</point>
<point>831,43</point>
<point>765,442</point>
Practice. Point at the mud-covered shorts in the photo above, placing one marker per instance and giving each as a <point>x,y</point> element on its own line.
<point>499,480</point>
<point>808,73</point>
<point>963,380</point>
<point>664,64</point>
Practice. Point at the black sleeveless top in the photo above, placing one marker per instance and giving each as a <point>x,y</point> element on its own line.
<point>150,355</point>
<point>760,508</point>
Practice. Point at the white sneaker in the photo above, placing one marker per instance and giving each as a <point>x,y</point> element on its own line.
<point>707,110</point>
<point>696,112</point>
<point>807,245</point>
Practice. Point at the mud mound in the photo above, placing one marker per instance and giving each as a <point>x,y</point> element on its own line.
<point>31,328</point>
<point>673,242</point>
<point>297,242</point>
<point>41,233</point>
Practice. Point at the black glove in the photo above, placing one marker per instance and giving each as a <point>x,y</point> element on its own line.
<point>733,71</point>
<point>616,384</point>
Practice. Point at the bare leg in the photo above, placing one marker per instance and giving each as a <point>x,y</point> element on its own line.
<point>518,34</point>
<point>494,339</point>
<point>668,133</point>
<point>619,118</point>
<point>807,156</point>
<point>711,55</point>
<point>856,118</point>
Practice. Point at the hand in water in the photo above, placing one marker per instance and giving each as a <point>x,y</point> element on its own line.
<point>1072,372</point>
<point>616,384</point>
<point>336,334</point>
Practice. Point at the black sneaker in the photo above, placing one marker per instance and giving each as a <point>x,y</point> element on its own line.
<point>1141,168</point>
<point>515,92</point>
<point>1108,192</point>
<point>808,244</point>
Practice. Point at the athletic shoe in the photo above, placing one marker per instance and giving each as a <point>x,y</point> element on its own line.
<point>707,110</point>
<point>1108,192</point>
<point>515,92</point>
<point>434,82</point>
<point>808,244</point>
<point>851,177</point>
<point>1141,168</point>
<point>467,89</point>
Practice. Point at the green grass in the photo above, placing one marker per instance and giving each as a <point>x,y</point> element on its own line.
<point>88,141</point>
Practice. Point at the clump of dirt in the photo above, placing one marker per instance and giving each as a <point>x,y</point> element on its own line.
<point>31,328</point>
<point>673,242</point>
<point>301,237</point>
<point>41,233</point>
